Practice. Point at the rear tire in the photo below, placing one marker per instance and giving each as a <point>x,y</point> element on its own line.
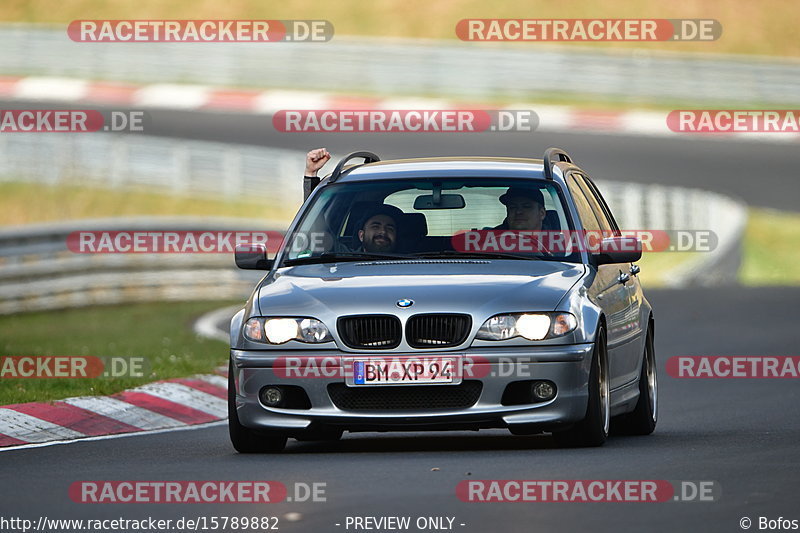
<point>642,420</point>
<point>593,429</point>
<point>246,440</point>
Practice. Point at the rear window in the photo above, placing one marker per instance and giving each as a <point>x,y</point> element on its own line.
<point>482,208</point>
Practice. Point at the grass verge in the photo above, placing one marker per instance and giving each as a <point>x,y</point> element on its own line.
<point>771,254</point>
<point>29,203</point>
<point>160,332</point>
<point>656,267</point>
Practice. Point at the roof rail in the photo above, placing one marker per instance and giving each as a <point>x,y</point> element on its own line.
<point>369,157</point>
<point>554,155</point>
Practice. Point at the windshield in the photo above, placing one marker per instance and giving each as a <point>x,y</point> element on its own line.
<point>436,217</point>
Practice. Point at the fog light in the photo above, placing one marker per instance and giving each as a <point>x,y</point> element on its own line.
<point>271,396</point>
<point>543,390</point>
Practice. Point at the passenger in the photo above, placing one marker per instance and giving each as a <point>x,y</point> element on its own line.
<point>524,209</point>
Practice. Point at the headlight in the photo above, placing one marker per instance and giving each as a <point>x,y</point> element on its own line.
<point>499,328</point>
<point>532,326</point>
<point>282,330</point>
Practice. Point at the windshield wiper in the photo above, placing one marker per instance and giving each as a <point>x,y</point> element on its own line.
<point>341,257</point>
<point>473,255</point>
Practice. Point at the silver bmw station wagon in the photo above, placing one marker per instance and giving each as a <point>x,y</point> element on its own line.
<point>456,293</point>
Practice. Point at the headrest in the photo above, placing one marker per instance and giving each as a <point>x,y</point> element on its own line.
<point>414,225</point>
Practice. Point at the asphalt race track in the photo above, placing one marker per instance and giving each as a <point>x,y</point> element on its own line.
<point>741,434</point>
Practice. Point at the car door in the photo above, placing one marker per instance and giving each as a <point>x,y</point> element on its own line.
<point>633,339</point>
<point>609,290</point>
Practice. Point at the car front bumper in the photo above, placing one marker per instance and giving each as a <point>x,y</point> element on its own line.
<point>567,366</point>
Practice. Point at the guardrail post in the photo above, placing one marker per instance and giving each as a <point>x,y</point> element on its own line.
<point>232,183</point>
<point>181,176</point>
<point>119,162</point>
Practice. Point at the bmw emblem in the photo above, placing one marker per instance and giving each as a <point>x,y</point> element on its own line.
<point>405,302</point>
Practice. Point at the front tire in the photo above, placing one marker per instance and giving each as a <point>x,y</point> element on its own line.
<point>642,420</point>
<point>593,429</point>
<point>246,440</point>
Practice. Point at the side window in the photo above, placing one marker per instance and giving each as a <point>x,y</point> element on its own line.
<point>603,203</point>
<point>585,211</point>
<point>597,208</point>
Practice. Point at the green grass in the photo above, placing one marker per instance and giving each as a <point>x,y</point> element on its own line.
<point>771,249</point>
<point>770,253</point>
<point>160,332</point>
<point>28,203</point>
<point>766,27</point>
<point>656,267</point>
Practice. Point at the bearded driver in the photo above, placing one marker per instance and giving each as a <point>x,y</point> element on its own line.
<point>378,233</point>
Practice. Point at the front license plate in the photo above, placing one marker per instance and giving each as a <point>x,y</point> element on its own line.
<point>406,371</point>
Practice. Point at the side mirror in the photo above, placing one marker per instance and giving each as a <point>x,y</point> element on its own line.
<point>619,250</point>
<point>252,257</point>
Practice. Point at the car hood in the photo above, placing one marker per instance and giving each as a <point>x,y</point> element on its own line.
<point>481,287</point>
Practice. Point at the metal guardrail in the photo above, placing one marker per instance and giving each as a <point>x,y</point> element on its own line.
<point>408,67</point>
<point>214,170</point>
<point>39,272</point>
<point>157,164</point>
<point>658,207</point>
